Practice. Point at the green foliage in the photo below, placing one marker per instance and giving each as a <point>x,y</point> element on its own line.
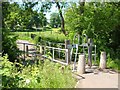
<point>22,16</point>
<point>114,64</point>
<point>55,20</point>
<point>9,45</point>
<point>53,37</point>
<point>8,70</point>
<point>41,75</point>
<point>99,21</point>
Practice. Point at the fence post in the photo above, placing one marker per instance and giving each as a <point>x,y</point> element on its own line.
<point>81,64</point>
<point>24,50</point>
<point>41,52</point>
<point>27,50</point>
<point>42,49</point>
<point>103,60</point>
<point>89,52</point>
<point>67,42</point>
<point>53,55</point>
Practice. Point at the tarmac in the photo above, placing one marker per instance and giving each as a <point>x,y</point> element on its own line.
<point>95,78</point>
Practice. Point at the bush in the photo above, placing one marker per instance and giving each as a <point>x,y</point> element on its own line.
<point>41,75</point>
<point>9,45</point>
<point>37,39</point>
<point>114,64</point>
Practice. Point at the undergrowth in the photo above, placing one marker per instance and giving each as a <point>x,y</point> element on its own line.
<point>40,75</point>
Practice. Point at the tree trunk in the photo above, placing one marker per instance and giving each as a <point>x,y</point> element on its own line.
<point>62,18</point>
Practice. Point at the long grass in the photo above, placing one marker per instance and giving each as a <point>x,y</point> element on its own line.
<point>38,75</point>
<point>48,35</point>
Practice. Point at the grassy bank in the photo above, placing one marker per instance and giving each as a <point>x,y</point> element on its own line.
<point>48,35</point>
<point>40,75</point>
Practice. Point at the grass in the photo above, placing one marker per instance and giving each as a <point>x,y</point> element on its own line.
<point>48,35</point>
<point>40,75</point>
<point>113,64</point>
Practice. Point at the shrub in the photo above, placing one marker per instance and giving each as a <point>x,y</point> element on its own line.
<point>114,64</point>
<point>41,75</point>
<point>9,45</point>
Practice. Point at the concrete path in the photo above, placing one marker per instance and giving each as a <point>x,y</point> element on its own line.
<point>100,79</point>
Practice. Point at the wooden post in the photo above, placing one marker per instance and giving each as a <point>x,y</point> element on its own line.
<point>24,50</point>
<point>81,64</point>
<point>103,60</point>
<point>67,42</point>
<point>90,52</point>
<point>27,51</point>
<point>41,50</point>
<point>53,54</point>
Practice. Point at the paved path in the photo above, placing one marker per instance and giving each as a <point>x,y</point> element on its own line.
<point>98,80</point>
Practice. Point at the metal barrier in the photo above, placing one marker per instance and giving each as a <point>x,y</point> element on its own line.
<point>52,50</point>
<point>42,52</point>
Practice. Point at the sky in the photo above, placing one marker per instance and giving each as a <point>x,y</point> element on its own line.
<point>54,8</point>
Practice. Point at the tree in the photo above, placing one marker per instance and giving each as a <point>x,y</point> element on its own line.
<point>47,5</point>
<point>8,43</point>
<point>11,20</point>
<point>62,18</point>
<point>99,21</point>
<point>55,20</point>
<point>14,15</point>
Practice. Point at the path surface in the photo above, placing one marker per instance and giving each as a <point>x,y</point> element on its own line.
<point>106,79</point>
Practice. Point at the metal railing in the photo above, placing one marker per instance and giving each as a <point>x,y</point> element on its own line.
<point>41,49</point>
<point>52,50</point>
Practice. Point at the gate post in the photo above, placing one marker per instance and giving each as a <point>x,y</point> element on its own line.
<point>67,42</point>
<point>103,60</point>
<point>81,64</point>
<point>90,52</point>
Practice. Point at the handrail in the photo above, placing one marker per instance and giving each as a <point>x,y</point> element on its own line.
<point>54,47</point>
<point>26,43</point>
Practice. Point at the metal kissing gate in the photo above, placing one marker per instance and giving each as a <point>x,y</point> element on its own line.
<point>64,53</point>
